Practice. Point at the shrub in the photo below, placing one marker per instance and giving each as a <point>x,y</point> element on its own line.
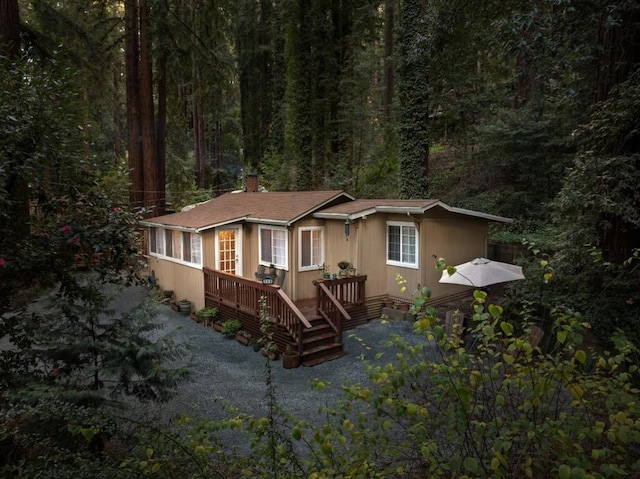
<point>230,328</point>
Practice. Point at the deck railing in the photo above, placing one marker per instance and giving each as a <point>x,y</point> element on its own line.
<point>335,296</point>
<point>244,295</point>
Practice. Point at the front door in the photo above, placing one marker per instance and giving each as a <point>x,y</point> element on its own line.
<point>229,250</point>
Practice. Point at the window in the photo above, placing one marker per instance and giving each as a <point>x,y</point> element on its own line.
<point>196,241</point>
<point>311,248</point>
<point>159,236</point>
<point>179,245</point>
<point>402,241</point>
<point>168,243</point>
<point>273,246</point>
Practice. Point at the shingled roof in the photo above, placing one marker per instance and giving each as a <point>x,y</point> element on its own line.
<point>359,208</point>
<point>279,208</point>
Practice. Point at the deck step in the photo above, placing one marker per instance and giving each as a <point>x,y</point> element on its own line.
<point>323,359</point>
<point>320,337</point>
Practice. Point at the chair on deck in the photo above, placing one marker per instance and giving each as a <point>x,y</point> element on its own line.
<point>280,278</point>
<point>262,270</point>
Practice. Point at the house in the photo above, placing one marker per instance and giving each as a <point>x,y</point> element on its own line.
<point>218,253</point>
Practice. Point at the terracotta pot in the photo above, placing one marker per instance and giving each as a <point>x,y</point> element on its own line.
<point>403,306</point>
<point>388,303</point>
<point>245,341</point>
<point>217,327</point>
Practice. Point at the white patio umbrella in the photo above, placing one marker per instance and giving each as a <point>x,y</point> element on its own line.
<point>482,272</point>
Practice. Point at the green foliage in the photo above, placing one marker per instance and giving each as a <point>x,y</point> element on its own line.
<point>500,409</point>
<point>231,327</point>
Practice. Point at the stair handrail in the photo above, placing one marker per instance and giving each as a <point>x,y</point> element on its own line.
<point>342,316</point>
<point>284,312</point>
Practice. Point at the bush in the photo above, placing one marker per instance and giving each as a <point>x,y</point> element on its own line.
<point>230,328</point>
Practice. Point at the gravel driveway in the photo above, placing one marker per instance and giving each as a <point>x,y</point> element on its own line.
<point>226,373</point>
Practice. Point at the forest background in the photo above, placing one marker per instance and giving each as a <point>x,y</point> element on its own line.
<point>528,109</point>
<point>522,109</point>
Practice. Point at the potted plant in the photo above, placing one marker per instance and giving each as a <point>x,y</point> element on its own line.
<point>325,272</point>
<point>206,315</point>
<point>230,328</point>
<point>243,337</point>
<point>290,358</point>
<point>272,269</point>
<point>218,325</point>
<point>343,265</point>
<point>184,306</point>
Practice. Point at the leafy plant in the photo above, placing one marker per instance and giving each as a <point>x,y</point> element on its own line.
<point>231,327</point>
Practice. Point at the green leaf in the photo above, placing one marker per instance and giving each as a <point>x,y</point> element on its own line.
<point>564,472</point>
<point>470,465</point>
<point>507,328</point>
<point>581,356</point>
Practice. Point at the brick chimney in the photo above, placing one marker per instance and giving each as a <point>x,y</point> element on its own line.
<point>252,183</point>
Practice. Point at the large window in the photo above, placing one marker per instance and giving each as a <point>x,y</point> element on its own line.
<point>311,248</point>
<point>402,244</point>
<point>179,245</point>
<point>273,246</point>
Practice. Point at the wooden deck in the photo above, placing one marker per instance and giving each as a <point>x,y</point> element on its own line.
<point>311,327</point>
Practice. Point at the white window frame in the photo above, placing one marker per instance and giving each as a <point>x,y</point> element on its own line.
<point>177,236</point>
<point>285,263</point>
<point>402,225</point>
<point>311,267</point>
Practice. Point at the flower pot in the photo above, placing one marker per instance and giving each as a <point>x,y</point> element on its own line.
<point>242,339</point>
<point>290,360</point>
<point>403,306</point>
<point>184,307</point>
<point>388,303</point>
<point>217,327</point>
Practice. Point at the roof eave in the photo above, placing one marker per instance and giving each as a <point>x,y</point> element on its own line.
<point>476,214</point>
<point>320,206</point>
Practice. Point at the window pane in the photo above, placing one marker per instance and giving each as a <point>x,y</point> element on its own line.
<point>195,249</point>
<point>152,240</point>
<point>160,241</point>
<point>394,243</point>
<point>186,246</point>
<point>408,244</point>
<point>279,247</point>
<point>176,244</point>
<point>168,244</point>
<point>316,247</point>
<point>266,255</point>
<point>305,248</point>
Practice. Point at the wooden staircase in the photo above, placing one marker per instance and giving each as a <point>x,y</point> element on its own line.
<point>319,341</point>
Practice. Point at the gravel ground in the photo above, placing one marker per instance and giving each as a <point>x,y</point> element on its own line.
<point>226,373</point>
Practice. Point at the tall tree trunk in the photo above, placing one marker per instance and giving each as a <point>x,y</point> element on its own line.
<point>149,159</point>
<point>199,139</point>
<point>413,90</point>
<point>118,147</point>
<point>16,224</point>
<point>161,140</point>
<point>132,67</point>
<point>10,28</point>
